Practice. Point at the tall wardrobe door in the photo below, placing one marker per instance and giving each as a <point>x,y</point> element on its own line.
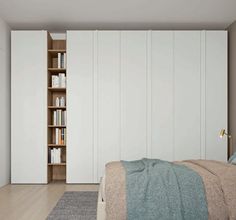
<point>187,90</point>
<point>162,78</point>
<point>108,98</point>
<point>133,94</point>
<point>216,94</point>
<point>29,107</point>
<point>80,96</point>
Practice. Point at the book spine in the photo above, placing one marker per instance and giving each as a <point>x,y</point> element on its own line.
<point>62,136</point>
<point>62,80</point>
<point>64,60</point>
<point>57,102</point>
<point>56,136</point>
<point>52,156</point>
<point>64,117</point>
<point>59,60</point>
<point>62,101</point>
<point>59,117</point>
<point>65,136</point>
<point>59,136</point>
<point>53,81</point>
<point>54,117</point>
<point>59,155</point>
<point>55,154</point>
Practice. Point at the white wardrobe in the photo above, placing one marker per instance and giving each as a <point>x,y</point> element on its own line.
<point>130,94</point>
<point>29,107</point>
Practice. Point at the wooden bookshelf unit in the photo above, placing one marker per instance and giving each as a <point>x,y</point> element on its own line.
<point>56,131</point>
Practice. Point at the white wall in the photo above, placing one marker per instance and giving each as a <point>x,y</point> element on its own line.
<point>4,103</point>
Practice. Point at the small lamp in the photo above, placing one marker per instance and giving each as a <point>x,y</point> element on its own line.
<point>222,134</point>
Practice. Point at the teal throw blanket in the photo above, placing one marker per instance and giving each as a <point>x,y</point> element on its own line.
<point>160,190</point>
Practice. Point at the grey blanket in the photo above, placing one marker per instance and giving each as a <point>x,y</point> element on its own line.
<point>161,190</point>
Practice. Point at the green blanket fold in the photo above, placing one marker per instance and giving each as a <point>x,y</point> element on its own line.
<point>161,190</point>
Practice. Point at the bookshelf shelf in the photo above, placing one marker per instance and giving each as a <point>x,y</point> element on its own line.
<point>57,89</point>
<point>57,164</point>
<point>57,107</point>
<point>56,51</point>
<point>56,114</point>
<point>56,145</point>
<point>57,70</point>
<point>57,126</point>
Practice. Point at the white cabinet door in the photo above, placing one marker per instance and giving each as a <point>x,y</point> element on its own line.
<point>29,107</point>
<point>162,93</point>
<point>133,94</point>
<point>216,94</point>
<point>80,104</point>
<point>187,93</point>
<point>108,98</point>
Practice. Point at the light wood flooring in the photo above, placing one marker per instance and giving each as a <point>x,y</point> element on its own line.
<point>34,202</point>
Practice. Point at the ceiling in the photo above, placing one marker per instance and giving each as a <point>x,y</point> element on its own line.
<point>118,14</point>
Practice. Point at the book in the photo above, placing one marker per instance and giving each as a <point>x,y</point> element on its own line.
<point>62,102</point>
<point>62,80</point>
<point>54,117</point>
<point>52,156</point>
<point>57,136</point>
<point>59,155</point>
<point>57,101</point>
<point>55,81</point>
<point>64,60</point>
<point>59,122</point>
<point>59,60</point>
<point>62,136</point>
<point>64,113</point>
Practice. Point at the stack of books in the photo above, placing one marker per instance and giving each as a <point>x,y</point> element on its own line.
<point>61,57</point>
<point>60,136</point>
<point>55,155</point>
<point>59,81</point>
<point>59,117</point>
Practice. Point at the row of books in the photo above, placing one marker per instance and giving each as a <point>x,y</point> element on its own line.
<point>60,136</point>
<point>55,155</point>
<point>60,101</point>
<point>61,57</point>
<point>59,117</point>
<point>59,81</point>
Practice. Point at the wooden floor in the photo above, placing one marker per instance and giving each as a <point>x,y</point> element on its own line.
<point>33,202</point>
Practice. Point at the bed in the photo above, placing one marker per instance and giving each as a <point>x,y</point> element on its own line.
<point>123,192</point>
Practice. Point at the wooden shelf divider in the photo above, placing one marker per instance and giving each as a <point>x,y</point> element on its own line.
<point>57,126</point>
<point>56,164</point>
<point>57,70</point>
<point>56,51</point>
<point>57,107</point>
<point>57,89</point>
<point>56,145</point>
